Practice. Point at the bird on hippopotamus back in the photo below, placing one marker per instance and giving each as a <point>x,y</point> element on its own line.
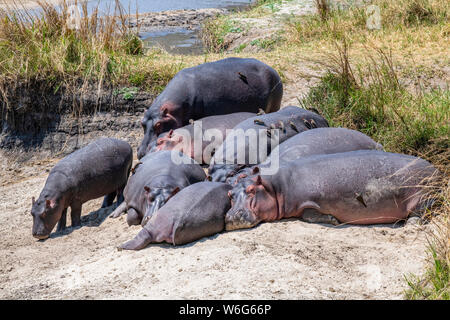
<point>185,139</point>
<point>98,169</point>
<point>214,88</point>
<point>195,212</point>
<point>308,143</point>
<point>358,187</point>
<point>155,179</point>
<point>257,132</point>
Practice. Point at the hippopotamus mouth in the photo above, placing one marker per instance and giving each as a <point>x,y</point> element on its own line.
<point>41,236</point>
<point>240,219</point>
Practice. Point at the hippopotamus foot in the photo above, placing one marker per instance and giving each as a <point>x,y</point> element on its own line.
<point>133,217</point>
<point>75,214</point>
<point>139,242</point>
<point>314,216</point>
<point>120,210</point>
<point>62,222</point>
<point>109,199</point>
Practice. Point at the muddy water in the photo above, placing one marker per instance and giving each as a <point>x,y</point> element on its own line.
<point>173,40</point>
<point>178,41</point>
<point>164,5</point>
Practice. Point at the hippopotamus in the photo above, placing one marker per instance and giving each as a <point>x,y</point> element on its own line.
<point>182,139</point>
<point>214,88</point>
<point>98,169</point>
<point>357,187</point>
<point>195,212</point>
<point>155,179</point>
<point>312,142</point>
<point>284,123</point>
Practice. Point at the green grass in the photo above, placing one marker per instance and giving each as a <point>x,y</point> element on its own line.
<point>103,52</point>
<point>434,284</point>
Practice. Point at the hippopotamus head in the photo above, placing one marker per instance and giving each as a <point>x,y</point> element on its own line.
<point>46,213</point>
<point>170,141</point>
<point>252,200</point>
<point>156,121</point>
<point>222,172</point>
<point>156,196</point>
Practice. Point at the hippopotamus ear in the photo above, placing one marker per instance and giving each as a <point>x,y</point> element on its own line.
<point>255,170</point>
<point>147,189</point>
<point>50,203</point>
<point>258,180</point>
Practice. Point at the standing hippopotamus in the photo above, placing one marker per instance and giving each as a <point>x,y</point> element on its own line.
<point>287,122</point>
<point>195,212</point>
<point>101,168</point>
<point>313,142</point>
<point>358,187</point>
<point>182,139</point>
<point>221,87</point>
<point>155,180</point>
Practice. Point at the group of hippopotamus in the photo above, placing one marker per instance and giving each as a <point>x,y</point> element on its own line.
<point>324,175</point>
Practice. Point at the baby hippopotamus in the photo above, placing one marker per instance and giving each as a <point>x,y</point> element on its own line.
<point>213,128</point>
<point>195,212</point>
<point>259,135</point>
<point>100,168</point>
<point>221,87</point>
<point>155,180</point>
<point>358,187</point>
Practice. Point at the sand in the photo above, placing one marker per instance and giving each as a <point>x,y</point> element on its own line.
<point>289,259</point>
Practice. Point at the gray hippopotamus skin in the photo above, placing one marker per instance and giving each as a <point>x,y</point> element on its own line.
<point>182,139</point>
<point>214,88</point>
<point>312,142</point>
<point>195,212</point>
<point>358,187</point>
<point>155,179</point>
<point>98,169</point>
<point>289,121</point>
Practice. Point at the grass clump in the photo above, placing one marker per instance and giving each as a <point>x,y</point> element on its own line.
<point>39,46</point>
<point>370,98</point>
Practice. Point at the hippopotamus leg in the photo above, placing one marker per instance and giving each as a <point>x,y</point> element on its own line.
<point>75,214</point>
<point>314,216</point>
<point>139,242</point>
<point>109,199</point>
<point>120,197</point>
<point>62,222</point>
<point>133,217</point>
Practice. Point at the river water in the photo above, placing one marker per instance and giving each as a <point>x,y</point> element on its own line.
<point>174,40</point>
<point>163,5</point>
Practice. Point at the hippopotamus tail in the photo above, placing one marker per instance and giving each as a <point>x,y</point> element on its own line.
<point>119,210</point>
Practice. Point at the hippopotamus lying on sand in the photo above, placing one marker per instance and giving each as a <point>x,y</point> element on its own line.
<point>183,139</point>
<point>358,187</point>
<point>215,88</point>
<point>101,168</point>
<point>287,122</point>
<point>312,142</point>
<point>155,180</point>
<point>195,212</point>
